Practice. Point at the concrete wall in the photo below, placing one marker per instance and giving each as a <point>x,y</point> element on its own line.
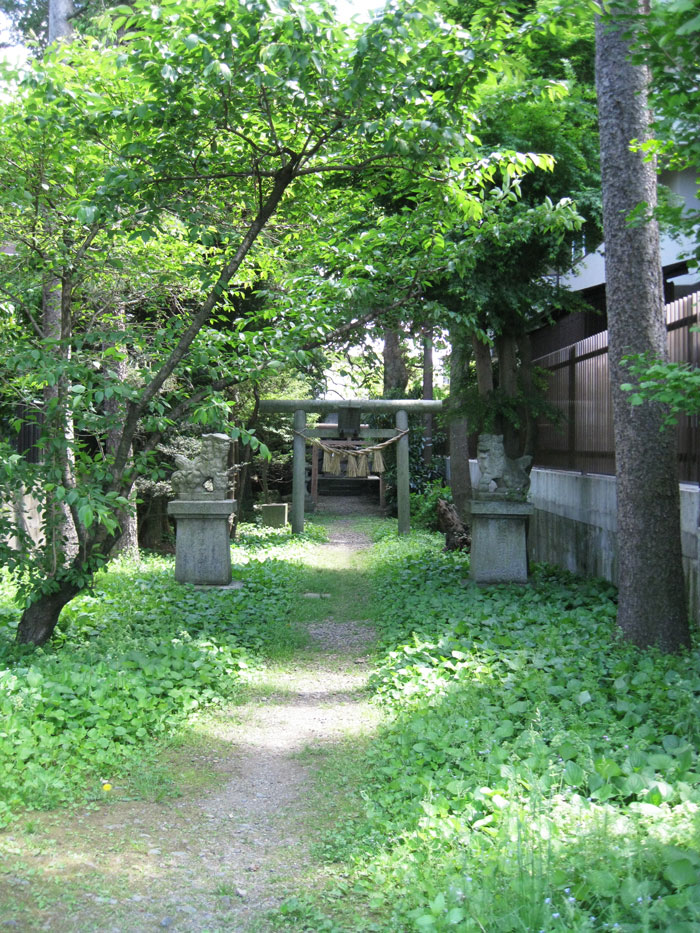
<point>574,525</point>
<point>574,522</point>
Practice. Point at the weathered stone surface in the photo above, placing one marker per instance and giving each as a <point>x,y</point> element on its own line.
<point>274,514</point>
<point>205,477</point>
<point>501,477</point>
<point>202,543</point>
<point>499,548</point>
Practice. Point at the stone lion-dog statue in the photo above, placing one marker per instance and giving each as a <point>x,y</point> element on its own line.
<point>501,477</point>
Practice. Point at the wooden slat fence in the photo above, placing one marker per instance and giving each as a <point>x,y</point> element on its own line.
<point>579,389</point>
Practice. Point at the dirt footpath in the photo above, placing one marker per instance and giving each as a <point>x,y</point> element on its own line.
<point>219,859</point>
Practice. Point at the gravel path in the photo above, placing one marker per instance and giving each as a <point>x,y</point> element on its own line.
<point>220,861</point>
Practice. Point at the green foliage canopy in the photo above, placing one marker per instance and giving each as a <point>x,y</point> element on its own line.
<point>185,148</point>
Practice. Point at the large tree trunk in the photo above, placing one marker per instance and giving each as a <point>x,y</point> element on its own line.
<point>460,478</point>
<point>652,608</point>
<point>483,365</point>
<point>128,542</point>
<point>39,620</point>
<point>395,371</point>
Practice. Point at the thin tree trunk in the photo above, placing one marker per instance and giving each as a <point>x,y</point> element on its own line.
<point>244,510</point>
<point>55,315</point>
<point>508,384</point>
<point>427,396</point>
<point>395,371</point>
<point>525,353</point>
<point>460,477</point>
<point>128,542</point>
<point>652,607</point>
<point>484,369</point>
<point>59,526</point>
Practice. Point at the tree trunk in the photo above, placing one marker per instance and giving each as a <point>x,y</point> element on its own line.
<point>530,435</point>
<point>128,541</point>
<point>508,384</point>
<point>59,526</point>
<point>60,19</point>
<point>484,384</point>
<point>427,396</point>
<point>56,323</point>
<point>457,537</point>
<point>484,369</point>
<point>39,620</point>
<point>460,478</point>
<point>395,371</point>
<point>244,496</point>
<point>652,607</point>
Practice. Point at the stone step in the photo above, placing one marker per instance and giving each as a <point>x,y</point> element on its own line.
<point>343,486</point>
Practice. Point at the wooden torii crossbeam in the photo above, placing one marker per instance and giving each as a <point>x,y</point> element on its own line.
<point>400,407</point>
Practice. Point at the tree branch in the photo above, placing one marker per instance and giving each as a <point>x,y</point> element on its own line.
<point>283,179</point>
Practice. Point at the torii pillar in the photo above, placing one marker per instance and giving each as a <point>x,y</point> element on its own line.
<point>299,472</point>
<point>403,487</point>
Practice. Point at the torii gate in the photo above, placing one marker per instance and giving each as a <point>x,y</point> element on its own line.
<point>349,412</point>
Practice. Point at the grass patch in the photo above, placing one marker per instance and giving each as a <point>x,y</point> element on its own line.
<point>535,773</point>
<point>132,661</point>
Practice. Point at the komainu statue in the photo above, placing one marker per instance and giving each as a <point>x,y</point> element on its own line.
<point>501,477</point>
<point>205,477</point>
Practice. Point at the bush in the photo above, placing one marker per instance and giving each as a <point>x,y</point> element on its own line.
<point>424,505</point>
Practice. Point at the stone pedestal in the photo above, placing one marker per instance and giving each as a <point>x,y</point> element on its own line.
<point>202,543</point>
<point>499,549</point>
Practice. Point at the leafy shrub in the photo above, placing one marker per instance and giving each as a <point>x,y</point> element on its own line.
<point>536,773</point>
<point>424,505</point>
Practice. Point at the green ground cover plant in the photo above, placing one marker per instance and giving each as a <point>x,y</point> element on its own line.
<point>424,514</point>
<point>134,659</point>
<point>535,773</point>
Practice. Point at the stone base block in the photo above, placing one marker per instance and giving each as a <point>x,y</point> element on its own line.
<point>274,514</point>
<point>499,546</point>
<point>202,541</point>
